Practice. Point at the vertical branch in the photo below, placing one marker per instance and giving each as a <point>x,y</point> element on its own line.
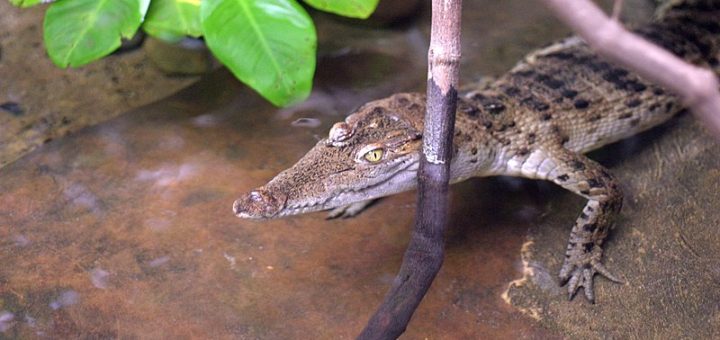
<point>424,255</point>
<point>698,87</point>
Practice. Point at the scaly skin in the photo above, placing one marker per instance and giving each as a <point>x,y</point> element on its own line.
<point>534,122</point>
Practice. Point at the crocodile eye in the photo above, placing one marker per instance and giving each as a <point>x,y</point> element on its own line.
<point>374,156</point>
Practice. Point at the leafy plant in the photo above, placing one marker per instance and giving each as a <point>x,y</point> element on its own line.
<point>268,44</point>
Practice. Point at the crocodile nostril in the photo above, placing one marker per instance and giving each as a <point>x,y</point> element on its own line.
<point>259,203</point>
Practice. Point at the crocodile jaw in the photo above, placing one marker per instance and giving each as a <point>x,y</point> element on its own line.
<point>273,201</point>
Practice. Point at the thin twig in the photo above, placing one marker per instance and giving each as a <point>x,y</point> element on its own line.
<point>698,87</point>
<point>425,252</point>
<point>617,8</point>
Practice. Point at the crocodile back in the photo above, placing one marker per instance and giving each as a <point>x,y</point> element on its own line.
<point>568,94</point>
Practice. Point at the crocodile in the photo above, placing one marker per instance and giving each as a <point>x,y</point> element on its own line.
<point>536,121</point>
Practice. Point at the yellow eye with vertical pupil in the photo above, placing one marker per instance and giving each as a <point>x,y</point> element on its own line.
<point>374,156</point>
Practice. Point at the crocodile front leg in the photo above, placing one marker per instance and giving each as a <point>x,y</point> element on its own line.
<point>588,179</point>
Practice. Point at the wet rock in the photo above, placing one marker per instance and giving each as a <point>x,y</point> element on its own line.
<point>188,56</point>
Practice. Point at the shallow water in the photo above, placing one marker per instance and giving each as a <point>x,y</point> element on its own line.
<point>125,229</point>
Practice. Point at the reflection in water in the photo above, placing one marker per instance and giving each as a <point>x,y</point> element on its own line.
<point>168,175</point>
<point>99,278</point>
<point>67,298</point>
<point>6,320</point>
<point>306,122</point>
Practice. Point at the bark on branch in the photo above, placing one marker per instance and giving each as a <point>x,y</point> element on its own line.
<point>698,87</point>
<point>425,252</point>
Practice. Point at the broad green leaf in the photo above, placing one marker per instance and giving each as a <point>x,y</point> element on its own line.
<point>25,3</point>
<point>348,8</point>
<point>170,19</point>
<point>268,44</point>
<point>77,32</point>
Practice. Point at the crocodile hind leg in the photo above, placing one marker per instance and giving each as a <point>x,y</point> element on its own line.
<point>590,180</point>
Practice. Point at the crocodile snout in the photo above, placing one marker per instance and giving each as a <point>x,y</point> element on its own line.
<point>259,203</point>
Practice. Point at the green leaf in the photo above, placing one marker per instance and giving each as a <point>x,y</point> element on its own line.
<point>25,3</point>
<point>77,32</point>
<point>349,8</point>
<point>170,19</point>
<point>268,44</point>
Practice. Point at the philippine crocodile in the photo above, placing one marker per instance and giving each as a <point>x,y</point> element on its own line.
<point>536,121</point>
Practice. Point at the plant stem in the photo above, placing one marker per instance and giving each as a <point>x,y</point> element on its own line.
<point>424,255</point>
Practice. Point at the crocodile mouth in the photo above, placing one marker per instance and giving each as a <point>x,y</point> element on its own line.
<point>263,203</point>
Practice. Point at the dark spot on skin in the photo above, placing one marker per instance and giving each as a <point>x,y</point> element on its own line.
<point>581,104</point>
<point>590,227</point>
<point>473,151</point>
<point>511,124</point>
<point>563,177</point>
<point>577,165</point>
<point>625,115</point>
<point>531,138</point>
<point>583,216</point>
<point>590,209</point>
<point>478,97</point>
<point>594,118</point>
<point>564,139</point>
<point>12,107</point>
<point>414,107</point>
<point>378,111</point>
<point>658,91</point>
<point>458,133</point>
<point>593,183</point>
<point>403,101</point>
<point>545,116</point>
<point>654,107</point>
<point>554,83</point>
<point>635,122</point>
<point>588,246</point>
<point>535,104</point>
<point>523,152</point>
<point>525,73</point>
<point>549,81</point>
<point>487,124</point>
<point>618,72</point>
<point>474,160</point>
<point>569,93</point>
<point>598,66</point>
<point>669,106</point>
<point>633,103</point>
<point>494,108</point>
<point>560,55</point>
<point>637,86</point>
<point>471,111</point>
<point>710,26</point>
<point>512,91</point>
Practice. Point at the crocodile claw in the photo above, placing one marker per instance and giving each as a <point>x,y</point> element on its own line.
<point>578,274</point>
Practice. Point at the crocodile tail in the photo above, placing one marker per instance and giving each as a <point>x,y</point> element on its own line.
<point>688,28</point>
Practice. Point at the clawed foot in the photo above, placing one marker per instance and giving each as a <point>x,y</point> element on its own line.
<point>349,210</point>
<point>578,273</point>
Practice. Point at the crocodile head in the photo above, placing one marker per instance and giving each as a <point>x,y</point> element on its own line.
<point>375,152</point>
